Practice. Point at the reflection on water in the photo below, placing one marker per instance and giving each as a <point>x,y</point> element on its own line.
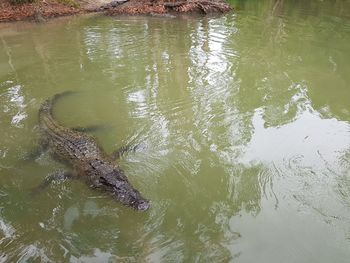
<point>240,126</point>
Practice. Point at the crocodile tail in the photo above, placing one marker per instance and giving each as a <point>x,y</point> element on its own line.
<point>47,106</point>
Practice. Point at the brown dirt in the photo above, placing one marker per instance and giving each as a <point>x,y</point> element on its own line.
<point>37,10</point>
<point>170,6</point>
<point>43,9</point>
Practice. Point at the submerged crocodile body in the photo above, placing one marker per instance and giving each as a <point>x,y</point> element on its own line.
<point>87,160</point>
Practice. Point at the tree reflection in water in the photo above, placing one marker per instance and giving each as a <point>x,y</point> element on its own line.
<point>231,118</point>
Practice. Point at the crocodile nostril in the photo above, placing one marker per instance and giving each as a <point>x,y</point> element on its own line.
<point>143,206</point>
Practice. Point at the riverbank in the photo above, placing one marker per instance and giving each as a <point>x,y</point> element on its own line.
<point>41,10</point>
<point>133,7</point>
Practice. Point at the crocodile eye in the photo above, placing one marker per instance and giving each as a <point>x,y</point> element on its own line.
<point>103,180</point>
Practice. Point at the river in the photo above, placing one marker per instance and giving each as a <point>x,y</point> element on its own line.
<point>240,126</point>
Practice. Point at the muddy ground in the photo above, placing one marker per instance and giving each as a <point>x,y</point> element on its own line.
<point>165,7</point>
<point>40,10</point>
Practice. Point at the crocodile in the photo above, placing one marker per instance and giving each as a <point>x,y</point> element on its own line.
<point>86,158</point>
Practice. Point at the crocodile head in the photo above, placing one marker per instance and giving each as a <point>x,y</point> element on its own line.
<point>120,188</point>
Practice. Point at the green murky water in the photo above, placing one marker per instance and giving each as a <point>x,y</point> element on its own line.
<point>242,128</point>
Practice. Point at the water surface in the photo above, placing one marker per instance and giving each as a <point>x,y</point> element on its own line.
<point>241,126</point>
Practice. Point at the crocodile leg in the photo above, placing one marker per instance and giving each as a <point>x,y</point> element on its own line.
<point>122,150</point>
<point>55,176</point>
<point>92,128</point>
<point>36,152</point>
